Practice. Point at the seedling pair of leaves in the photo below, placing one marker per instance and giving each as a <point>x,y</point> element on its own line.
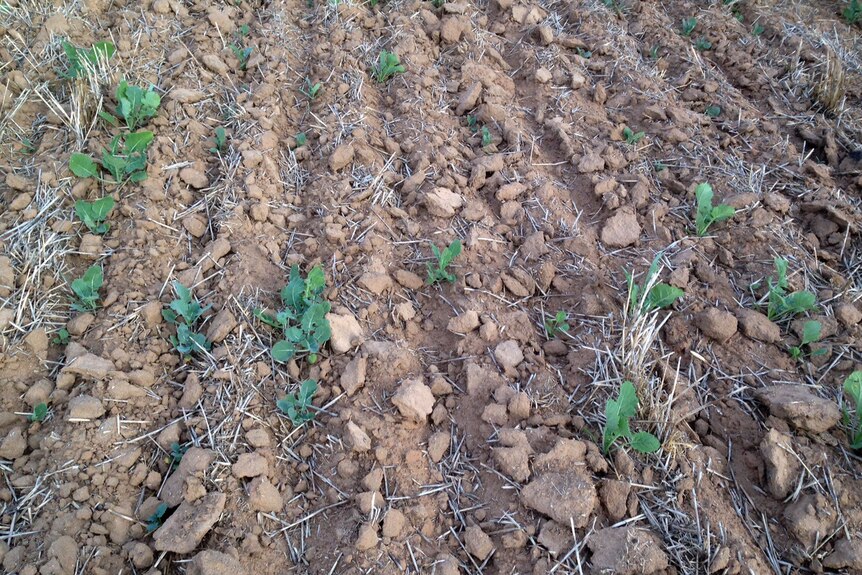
<point>296,405</point>
<point>688,26</point>
<point>125,159</point>
<point>94,214</point>
<point>852,13</point>
<point>631,137</point>
<point>82,61</point>
<point>184,312</point>
<point>707,214</point>
<point>40,412</point>
<point>388,65</point>
<point>660,295</point>
<point>219,141</point>
<point>781,304</point>
<point>556,324</point>
<point>437,271</point>
<point>303,320</point>
<point>134,104</point>
<point>311,91</point>
<point>811,331</point>
<point>242,54</point>
<point>618,413</point>
<point>177,453</point>
<point>154,521</point>
<point>853,388</point>
<point>86,288</point>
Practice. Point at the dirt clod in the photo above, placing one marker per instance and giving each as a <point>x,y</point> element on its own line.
<point>264,496</point>
<point>627,550</point>
<point>215,563</point>
<point>186,527</point>
<point>717,324</point>
<point>477,542</point>
<point>621,230</point>
<point>357,438</point>
<point>782,466</point>
<point>800,407</point>
<point>757,326</point>
<point>85,407</point>
<point>414,400</point>
<point>562,497</point>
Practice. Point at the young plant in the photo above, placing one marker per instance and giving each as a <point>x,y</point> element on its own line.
<point>651,295</point>
<point>303,320</point>
<point>82,61</point>
<point>853,388</point>
<point>486,137</point>
<point>220,141</point>
<point>387,66</point>
<point>703,44</point>
<point>177,452</point>
<point>438,3</point>
<point>631,137</point>
<point>86,288</point>
<point>40,412</point>
<point>757,29</point>
<point>556,324</point>
<point>62,337</point>
<point>242,54</point>
<point>713,111</point>
<point>437,270</point>
<point>781,304</point>
<point>154,521</point>
<point>94,214</point>
<point>852,13</point>
<point>472,123</point>
<point>618,413</point>
<point>811,331</point>
<point>296,405</point>
<point>125,159</point>
<point>134,104</point>
<point>184,312</point>
<point>688,26</point>
<point>707,214</point>
<point>301,139</point>
<point>311,91</point>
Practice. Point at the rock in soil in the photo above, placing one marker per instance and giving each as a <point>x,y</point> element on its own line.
<point>346,332</point>
<point>186,527</point>
<point>782,466</point>
<point>798,405</point>
<point>195,461</point>
<point>353,376</point>
<point>85,408</point>
<point>717,324</point>
<point>621,230</point>
<point>250,465</point>
<point>357,438</point>
<point>264,496</point>
<point>809,518</point>
<point>214,563</point>
<point>562,497</point>
<point>478,543</point>
<point>626,550</point>
<point>393,523</point>
<point>89,366</point>
<point>414,400</point>
<point>367,538</point>
<point>757,326</point>
<point>846,554</point>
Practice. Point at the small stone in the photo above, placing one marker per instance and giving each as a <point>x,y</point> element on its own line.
<point>478,543</point>
<point>192,392</point>
<point>509,192</point>
<point>717,324</point>
<point>65,551</point>
<point>782,466</point>
<point>508,354</point>
<point>141,555</point>
<point>519,406</point>
<point>85,408</point>
<point>209,562</point>
<point>451,30</point>
<point>194,462</point>
<point>797,405</point>
<point>79,324</point>
<point>186,527</point>
<point>357,438</point>
<point>142,377</point>
<point>18,183</point>
<point>13,445</point>
<point>370,501</point>
<point>376,283</point>
<point>848,314</point>
<point>757,326</point>
<point>846,554</point>
<point>91,246</point>
<point>443,202</point>
<point>614,495</point>
<point>409,280</point>
<point>346,332</point>
<point>39,392</point>
<point>257,437</point>
<point>414,400</point>
<point>187,96</point>
<point>393,523</point>
<point>89,366</point>
<point>591,163</point>
<point>563,497</point>
<point>621,230</point>
<point>20,202</point>
<point>221,325</point>
<point>263,496</point>
<point>468,98</point>
<point>495,414</point>
<point>367,538</point>
<point>341,157</point>
<point>438,445</point>
<point>543,76</point>
<point>151,313</point>
<point>194,178</point>
<point>464,323</point>
<point>250,465</point>
<point>214,64</point>
<point>353,376</point>
<point>195,225</point>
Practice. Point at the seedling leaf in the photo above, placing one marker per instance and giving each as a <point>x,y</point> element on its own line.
<point>83,166</point>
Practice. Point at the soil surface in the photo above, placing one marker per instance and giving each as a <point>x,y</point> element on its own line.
<point>452,432</point>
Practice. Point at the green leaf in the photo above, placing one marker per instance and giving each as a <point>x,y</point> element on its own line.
<point>644,442</point>
<point>799,302</point>
<point>661,296</point>
<point>853,387</point>
<point>109,118</point>
<point>83,166</point>
<point>40,412</point>
<point>703,194</point>
<point>137,142</point>
<point>283,351</point>
<point>722,212</point>
<point>811,332</point>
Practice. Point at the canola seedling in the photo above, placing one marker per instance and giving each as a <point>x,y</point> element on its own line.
<point>707,214</point>
<point>94,214</point>
<point>297,405</point>
<point>437,271</point>
<point>184,312</point>
<point>86,289</point>
<point>618,415</point>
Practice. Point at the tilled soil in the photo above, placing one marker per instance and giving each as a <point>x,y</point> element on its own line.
<point>451,432</point>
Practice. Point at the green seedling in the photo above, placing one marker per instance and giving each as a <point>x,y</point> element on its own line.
<point>388,65</point>
<point>852,13</point>
<point>472,123</point>
<point>40,412</point>
<point>242,54</point>
<point>438,3</point>
<point>94,214</point>
<point>154,521</point>
<point>81,61</point>
<point>134,104</point>
<point>311,91</point>
<point>653,52</point>
<point>556,324</point>
<point>86,288</point>
<point>707,214</point>
<point>586,54</point>
<point>303,320</point>
<point>437,271</point>
<point>177,452</point>
<point>811,331</point>
<point>688,26</point>
<point>631,137</point>
<point>301,139</point>
<point>220,141</point>
<point>703,44</point>
<point>782,305</point>
<point>757,29</point>
<point>659,166</point>
<point>853,388</point>
<point>618,414</point>
<point>651,295</point>
<point>486,137</point>
<point>713,111</point>
<point>244,30</point>
<point>83,166</point>
<point>62,337</point>
<point>296,405</point>
<point>184,312</point>
<point>125,159</point>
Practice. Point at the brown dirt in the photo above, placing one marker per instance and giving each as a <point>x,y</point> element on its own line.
<point>451,435</point>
